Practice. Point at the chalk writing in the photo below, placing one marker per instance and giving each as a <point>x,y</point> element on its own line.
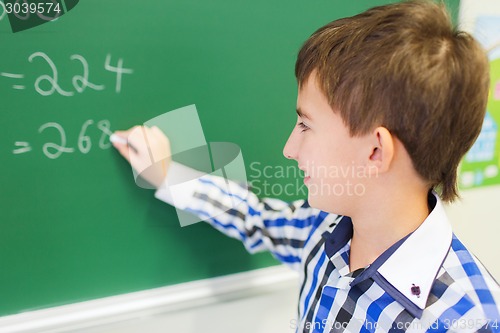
<point>48,84</point>
<point>82,82</point>
<point>24,147</point>
<point>14,76</point>
<point>119,70</point>
<point>51,79</point>
<point>54,150</point>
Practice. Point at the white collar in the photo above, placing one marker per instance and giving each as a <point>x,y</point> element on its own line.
<point>418,260</point>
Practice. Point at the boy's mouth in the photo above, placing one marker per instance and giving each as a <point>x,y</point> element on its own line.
<point>307,178</point>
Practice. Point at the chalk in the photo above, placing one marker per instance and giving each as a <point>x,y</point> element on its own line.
<point>122,140</point>
<point>117,139</point>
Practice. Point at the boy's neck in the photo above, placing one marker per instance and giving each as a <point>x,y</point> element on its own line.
<point>383,223</point>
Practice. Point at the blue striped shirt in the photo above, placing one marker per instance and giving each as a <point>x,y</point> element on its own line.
<point>426,282</point>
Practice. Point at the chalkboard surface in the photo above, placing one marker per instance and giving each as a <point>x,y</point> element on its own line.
<point>73,224</point>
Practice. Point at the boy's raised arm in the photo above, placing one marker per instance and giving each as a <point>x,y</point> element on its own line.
<point>261,224</point>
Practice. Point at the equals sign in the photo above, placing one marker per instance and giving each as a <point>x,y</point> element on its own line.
<point>23,147</point>
<point>14,76</point>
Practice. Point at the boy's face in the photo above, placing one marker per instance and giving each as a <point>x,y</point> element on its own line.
<point>334,163</point>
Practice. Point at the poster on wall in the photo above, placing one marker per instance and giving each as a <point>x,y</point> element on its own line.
<point>481,165</point>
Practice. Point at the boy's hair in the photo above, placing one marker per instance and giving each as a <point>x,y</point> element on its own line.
<point>405,67</point>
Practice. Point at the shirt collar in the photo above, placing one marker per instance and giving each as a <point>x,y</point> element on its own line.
<point>407,269</point>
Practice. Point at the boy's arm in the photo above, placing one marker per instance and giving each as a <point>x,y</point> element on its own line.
<point>261,224</point>
<point>280,227</point>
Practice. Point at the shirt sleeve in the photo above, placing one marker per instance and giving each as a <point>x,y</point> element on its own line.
<point>261,224</point>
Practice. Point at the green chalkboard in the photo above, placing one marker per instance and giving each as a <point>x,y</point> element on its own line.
<point>73,224</point>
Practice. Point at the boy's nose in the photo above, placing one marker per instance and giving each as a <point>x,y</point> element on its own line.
<point>290,149</point>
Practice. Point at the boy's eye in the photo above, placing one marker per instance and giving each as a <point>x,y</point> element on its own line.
<point>303,126</point>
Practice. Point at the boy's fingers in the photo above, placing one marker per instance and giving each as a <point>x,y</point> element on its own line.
<point>141,159</point>
<point>151,145</point>
<point>123,134</point>
<point>123,149</point>
<point>135,138</point>
<point>147,150</point>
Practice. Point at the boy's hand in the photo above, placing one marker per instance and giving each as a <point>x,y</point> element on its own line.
<point>148,151</point>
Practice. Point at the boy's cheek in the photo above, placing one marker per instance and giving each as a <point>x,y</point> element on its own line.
<point>335,193</point>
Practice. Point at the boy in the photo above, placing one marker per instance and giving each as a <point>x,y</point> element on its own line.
<point>389,101</point>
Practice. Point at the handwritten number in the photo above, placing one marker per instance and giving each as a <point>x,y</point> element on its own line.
<point>51,79</point>
<point>82,82</point>
<point>104,126</point>
<point>53,150</point>
<point>119,70</point>
<point>59,148</point>
<point>84,143</point>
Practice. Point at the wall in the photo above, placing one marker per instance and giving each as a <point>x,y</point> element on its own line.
<point>475,218</point>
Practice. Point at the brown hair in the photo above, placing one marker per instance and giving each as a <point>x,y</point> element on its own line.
<point>405,67</point>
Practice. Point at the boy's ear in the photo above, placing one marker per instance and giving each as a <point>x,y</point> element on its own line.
<point>382,150</point>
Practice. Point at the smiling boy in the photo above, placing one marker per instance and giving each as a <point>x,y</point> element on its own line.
<point>391,99</point>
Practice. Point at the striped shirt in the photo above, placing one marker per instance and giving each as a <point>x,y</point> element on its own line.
<point>426,282</point>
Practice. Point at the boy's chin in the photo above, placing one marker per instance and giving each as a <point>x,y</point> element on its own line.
<point>322,203</point>
<point>327,204</point>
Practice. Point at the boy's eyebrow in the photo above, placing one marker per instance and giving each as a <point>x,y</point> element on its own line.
<point>302,114</point>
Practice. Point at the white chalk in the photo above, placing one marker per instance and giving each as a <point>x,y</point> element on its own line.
<point>117,139</point>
